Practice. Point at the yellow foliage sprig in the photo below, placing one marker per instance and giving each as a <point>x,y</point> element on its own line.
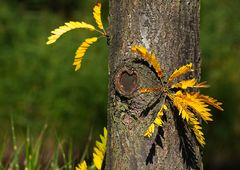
<point>82,50</point>
<point>182,70</point>
<point>98,154</point>
<point>97,15</point>
<point>82,166</point>
<point>72,25</point>
<point>149,57</point>
<point>157,121</point>
<point>192,106</point>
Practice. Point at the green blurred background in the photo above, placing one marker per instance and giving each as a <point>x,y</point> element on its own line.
<point>39,86</point>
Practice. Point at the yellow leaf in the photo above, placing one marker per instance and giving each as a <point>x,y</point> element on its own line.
<point>182,70</point>
<point>68,27</point>
<point>158,121</point>
<point>210,101</point>
<point>97,161</point>
<point>150,58</point>
<point>165,107</point>
<point>100,146</point>
<point>82,166</point>
<point>184,84</point>
<point>181,105</point>
<point>191,100</point>
<point>82,50</point>
<point>97,15</point>
<point>148,90</point>
<point>150,131</point>
<point>192,83</point>
<point>100,150</point>
<point>202,85</point>
<point>196,128</point>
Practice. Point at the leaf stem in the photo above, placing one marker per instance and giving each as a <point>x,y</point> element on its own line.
<point>103,33</point>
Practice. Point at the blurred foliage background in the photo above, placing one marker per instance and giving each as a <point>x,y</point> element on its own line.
<point>39,86</point>
<point>220,46</point>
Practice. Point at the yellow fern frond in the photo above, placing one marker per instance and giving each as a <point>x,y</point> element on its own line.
<point>211,101</point>
<point>192,83</point>
<point>82,166</point>
<point>182,70</point>
<point>150,58</point>
<point>150,130</point>
<point>181,105</point>
<point>199,106</point>
<point>68,27</point>
<point>196,128</point>
<point>184,84</point>
<point>202,85</point>
<point>82,50</point>
<point>158,121</point>
<point>97,15</point>
<point>148,90</point>
<point>192,101</point>
<point>165,107</point>
<point>100,150</point>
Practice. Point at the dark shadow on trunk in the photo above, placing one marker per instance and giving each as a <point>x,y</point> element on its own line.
<point>151,105</point>
<point>186,146</point>
<point>145,63</point>
<point>158,141</point>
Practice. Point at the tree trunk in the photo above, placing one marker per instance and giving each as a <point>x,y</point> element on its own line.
<point>170,29</point>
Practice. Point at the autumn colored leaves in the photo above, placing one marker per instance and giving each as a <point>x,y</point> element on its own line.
<point>100,148</point>
<point>98,154</point>
<point>57,33</point>
<point>191,106</point>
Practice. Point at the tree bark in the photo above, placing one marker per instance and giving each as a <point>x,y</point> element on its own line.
<point>170,29</point>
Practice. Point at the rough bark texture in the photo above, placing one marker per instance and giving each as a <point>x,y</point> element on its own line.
<point>170,29</point>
